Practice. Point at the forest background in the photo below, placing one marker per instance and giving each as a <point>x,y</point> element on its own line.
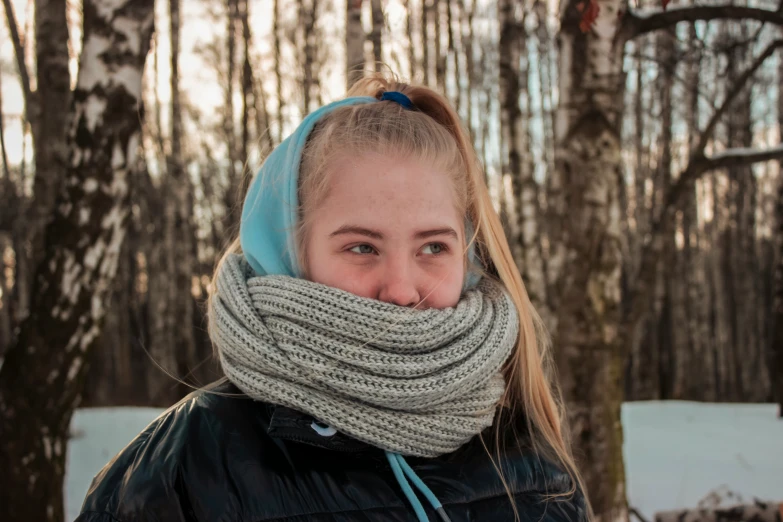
<point>633,149</point>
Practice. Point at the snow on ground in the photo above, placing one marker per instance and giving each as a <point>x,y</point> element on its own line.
<point>678,452</point>
<point>98,435</point>
<point>675,452</point>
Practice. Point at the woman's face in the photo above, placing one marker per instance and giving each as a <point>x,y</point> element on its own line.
<point>388,229</point>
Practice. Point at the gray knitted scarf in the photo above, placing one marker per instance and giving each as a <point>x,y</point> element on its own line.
<point>415,382</point>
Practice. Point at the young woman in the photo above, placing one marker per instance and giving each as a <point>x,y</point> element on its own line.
<point>383,360</point>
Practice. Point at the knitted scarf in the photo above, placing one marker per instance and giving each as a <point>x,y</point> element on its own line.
<point>415,382</point>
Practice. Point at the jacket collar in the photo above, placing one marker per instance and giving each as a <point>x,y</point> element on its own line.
<point>286,423</point>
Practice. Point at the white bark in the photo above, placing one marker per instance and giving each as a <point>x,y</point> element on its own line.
<point>50,357</point>
<point>586,251</point>
<point>354,42</point>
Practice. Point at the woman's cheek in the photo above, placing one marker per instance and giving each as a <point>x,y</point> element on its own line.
<point>350,277</point>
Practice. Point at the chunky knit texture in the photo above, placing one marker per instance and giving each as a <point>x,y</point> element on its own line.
<point>415,382</point>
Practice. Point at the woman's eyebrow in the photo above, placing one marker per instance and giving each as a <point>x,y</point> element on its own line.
<point>375,234</point>
<point>445,231</point>
<point>351,229</point>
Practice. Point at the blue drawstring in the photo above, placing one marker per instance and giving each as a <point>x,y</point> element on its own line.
<point>400,469</point>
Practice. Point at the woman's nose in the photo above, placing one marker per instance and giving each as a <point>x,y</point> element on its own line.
<point>398,285</point>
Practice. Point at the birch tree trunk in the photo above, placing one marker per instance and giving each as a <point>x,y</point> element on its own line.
<point>470,65</point>
<point>453,53</point>
<point>53,92</point>
<point>179,231</point>
<point>247,85</point>
<point>718,320</point>
<point>640,364</point>
<point>47,108</point>
<point>440,54</point>
<point>746,348</point>
<point>696,380</point>
<point>307,17</point>
<point>229,127</point>
<point>235,153</point>
<point>587,254</point>
<point>7,223</point>
<point>517,156</point>
<point>278,73</point>
<point>376,34</point>
<point>409,37</point>
<point>426,18</point>
<point>160,334</point>
<point>83,242</point>
<point>354,42</point>
<point>544,45</point>
<point>775,350</point>
<point>669,305</point>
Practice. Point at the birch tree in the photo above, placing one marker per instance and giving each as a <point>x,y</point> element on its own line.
<point>585,267</point>
<point>376,34</point>
<point>276,44</point>
<point>53,82</point>
<point>307,47</point>
<point>775,356</point>
<point>515,144</point>
<point>46,109</point>
<point>354,42</point>
<point>83,241</point>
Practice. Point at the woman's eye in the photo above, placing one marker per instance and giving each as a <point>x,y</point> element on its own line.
<point>435,248</point>
<point>362,249</point>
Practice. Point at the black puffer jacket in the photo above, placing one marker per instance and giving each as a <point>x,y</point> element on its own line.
<point>214,458</point>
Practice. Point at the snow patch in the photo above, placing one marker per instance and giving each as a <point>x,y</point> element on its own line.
<point>676,453</point>
<point>97,435</point>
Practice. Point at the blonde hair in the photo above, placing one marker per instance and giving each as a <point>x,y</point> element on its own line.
<point>434,133</point>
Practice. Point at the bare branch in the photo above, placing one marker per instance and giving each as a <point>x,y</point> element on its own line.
<point>698,164</point>
<point>636,24</point>
<point>735,90</point>
<point>24,75</point>
<point>738,157</point>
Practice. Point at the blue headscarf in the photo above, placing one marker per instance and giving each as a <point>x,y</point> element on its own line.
<point>267,229</point>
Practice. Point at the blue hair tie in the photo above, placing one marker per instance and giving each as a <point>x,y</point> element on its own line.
<point>400,98</point>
